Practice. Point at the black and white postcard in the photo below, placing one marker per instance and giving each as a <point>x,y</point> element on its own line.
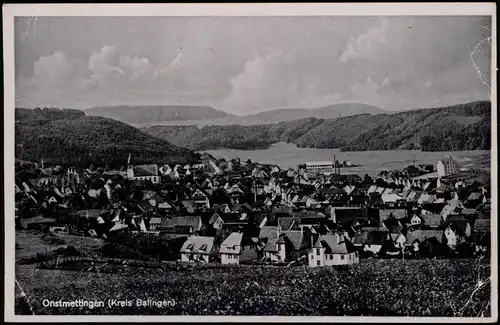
<point>250,162</point>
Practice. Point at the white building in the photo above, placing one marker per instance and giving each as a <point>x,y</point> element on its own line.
<point>230,249</point>
<point>446,167</point>
<point>275,250</point>
<point>315,168</point>
<point>143,173</point>
<point>197,249</point>
<point>333,249</point>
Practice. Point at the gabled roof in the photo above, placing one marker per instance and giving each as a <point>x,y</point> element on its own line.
<point>286,222</point>
<point>214,218</point>
<point>396,213</point>
<point>329,241</point>
<point>192,221</point>
<point>188,204</point>
<point>232,244</point>
<point>422,235</point>
<point>458,225</point>
<point>482,225</point>
<point>199,193</point>
<point>268,232</point>
<point>118,226</point>
<point>198,245</point>
<point>468,212</point>
<point>393,225</point>
<point>474,196</point>
<point>155,221</point>
<point>431,219</point>
<point>330,191</point>
<point>376,237</point>
<point>271,244</point>
<point>164,205</point>
<point>145,170</point>
<point>220,207</point>
<point>296,238</point>
<point>360,238</point>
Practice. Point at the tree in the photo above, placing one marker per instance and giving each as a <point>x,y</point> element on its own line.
<point>368,179</point>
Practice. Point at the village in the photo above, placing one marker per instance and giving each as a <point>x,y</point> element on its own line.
<point>232,212</point>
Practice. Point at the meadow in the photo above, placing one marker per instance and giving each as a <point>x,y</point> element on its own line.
<point>455,287</point>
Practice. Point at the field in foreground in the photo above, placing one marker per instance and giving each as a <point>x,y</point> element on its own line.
<point>374,287</point>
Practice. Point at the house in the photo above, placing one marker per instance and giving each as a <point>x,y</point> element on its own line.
<point>315,168</point>
<point>275,250</point>
<point>426,198</point>
<point>413,196</point>
<point>200,199</point>
<point>193,223</point>
<point>341,214</point>
<point>197,249</point>
<point>446,167</point>
<point>388,197</point>
<point>188,205</point>
<point>398,239</point>
<point>372,240</point>
<point>221,208</point>
<point>482,225</point>
<point>482,234</point>
<point>396,213</point>
<point>143,173</point>
<point>431,220</point>
<point>451,207</point>
<point>267,232</point>
<point>474,199</point>
<point>230,249</point>
<point>165,207</point>
<point>216,221</point>
<point>154,223</point>
<point>415,239</point>
<point>415,221</point>
<point>332,249</point>
<point>38,223</point>
<point>298,243</point>
<point>457,231</point>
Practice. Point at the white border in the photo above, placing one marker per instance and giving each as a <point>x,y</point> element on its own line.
<point>297,9</point>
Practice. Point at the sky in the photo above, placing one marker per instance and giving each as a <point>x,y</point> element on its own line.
<point>246,65</point>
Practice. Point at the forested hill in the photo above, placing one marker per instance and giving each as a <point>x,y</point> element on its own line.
<point>70,137</point>
<point>454,128</point>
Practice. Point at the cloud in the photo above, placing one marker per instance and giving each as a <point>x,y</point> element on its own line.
<point>279,80</point>
<point>135,67</point>
<point>53,69</point>
<point>367,87</point>
<point>385,83</point>
<point>252,64</point>
<point>366,44</point>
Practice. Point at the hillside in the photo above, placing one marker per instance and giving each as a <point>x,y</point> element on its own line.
<point>86,139</point>
<point>154,114</point>
<point>458,127</point>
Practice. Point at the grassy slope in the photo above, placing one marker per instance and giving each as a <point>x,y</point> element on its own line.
<point>373,287</point>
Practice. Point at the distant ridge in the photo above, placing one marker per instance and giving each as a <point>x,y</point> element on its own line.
<point>147,114</point>
<point>326,112</point>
